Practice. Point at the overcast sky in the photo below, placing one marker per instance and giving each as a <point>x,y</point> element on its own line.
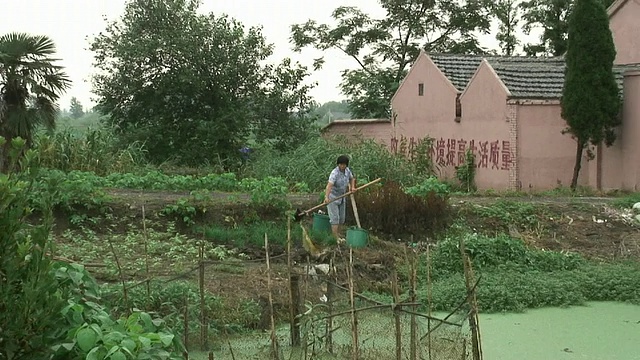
<point>70,22</point>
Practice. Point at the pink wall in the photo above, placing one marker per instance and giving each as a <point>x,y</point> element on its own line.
<point>625,27</point>
<point>378,130</point>
<point>630,140</point>
<point>546,157</point>
<point>483,123</point>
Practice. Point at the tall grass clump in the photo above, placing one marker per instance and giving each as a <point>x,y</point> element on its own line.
<point>394,210</point>
<point>96,150</point>
<point>312,162</point>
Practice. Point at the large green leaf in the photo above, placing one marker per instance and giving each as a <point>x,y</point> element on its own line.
<point>86,339</point>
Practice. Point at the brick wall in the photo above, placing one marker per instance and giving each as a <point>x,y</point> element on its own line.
<point>512,119</point>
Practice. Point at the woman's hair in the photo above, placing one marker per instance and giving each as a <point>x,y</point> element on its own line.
<point>343,159</point>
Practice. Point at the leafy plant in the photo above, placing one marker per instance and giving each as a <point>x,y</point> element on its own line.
<point>466,173</point>
<point>268,194</point>
<point>430,185</point>
<point>30,298</point>
<point>91,333</point>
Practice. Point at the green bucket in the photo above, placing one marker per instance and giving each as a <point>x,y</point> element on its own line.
<point>321,223</point>
<point>357,237</point>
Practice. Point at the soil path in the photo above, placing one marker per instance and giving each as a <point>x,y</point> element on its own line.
<point>165,197</point>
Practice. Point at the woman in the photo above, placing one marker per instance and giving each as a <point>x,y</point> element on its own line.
<point>340,181</point>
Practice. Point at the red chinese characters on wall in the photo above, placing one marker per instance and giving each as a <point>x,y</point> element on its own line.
<point>493,155</point>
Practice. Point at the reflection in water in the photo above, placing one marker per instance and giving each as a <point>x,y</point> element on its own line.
<point>597,331</point>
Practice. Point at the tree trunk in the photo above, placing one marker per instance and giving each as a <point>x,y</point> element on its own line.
<point>578,165</point>
<point>4,156</point>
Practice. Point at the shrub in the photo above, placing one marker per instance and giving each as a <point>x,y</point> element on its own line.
<point>389,209</point>
<point>30,300</point>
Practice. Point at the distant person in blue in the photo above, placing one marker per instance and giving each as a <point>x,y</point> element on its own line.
<point>245,154</point>
<point>340,181</point>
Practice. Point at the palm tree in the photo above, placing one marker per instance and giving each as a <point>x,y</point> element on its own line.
<point>30,86</point>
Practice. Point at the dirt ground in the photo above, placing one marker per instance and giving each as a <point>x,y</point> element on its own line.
<point>589,226</point>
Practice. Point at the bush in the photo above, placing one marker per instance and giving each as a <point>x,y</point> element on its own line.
<point>390,210</point>
<point>30,300</point>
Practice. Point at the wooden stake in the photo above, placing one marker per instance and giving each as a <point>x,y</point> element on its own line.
<point>473,303</point>
<point>274,340</point>
<point>329,329</point>
<point>124,286</point>
<point>396,315</point>
<point>203,316</point>
<point>146,251</point>
<point>354,317</point>
<point>186,321</point>
<point>294,294</point>
<point>429,301</point>
<point>414,325</point>
<point>355,210</point>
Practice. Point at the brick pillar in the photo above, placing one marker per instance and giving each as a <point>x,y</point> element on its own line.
<point>512,119</point>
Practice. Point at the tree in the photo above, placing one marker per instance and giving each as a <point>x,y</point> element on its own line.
<point>76,109</point>
<point>591,97</point>
<point>552,17</point>
<point>384,48</point>
<point>284,108</point>
<point>190,86</point>
<point>30,86</point>
<point>508,15</point>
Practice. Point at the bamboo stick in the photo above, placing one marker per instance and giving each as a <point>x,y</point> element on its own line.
<point>354,317</point>
<point>396,315</point>
<point>274,340</point>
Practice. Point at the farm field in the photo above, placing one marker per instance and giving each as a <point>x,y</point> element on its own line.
<point>569,250</point>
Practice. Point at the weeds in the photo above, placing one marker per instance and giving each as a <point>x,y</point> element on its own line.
<point>505,213</point>
<point>515,277</point>
<point>390,210</point>
<point>97,151</point>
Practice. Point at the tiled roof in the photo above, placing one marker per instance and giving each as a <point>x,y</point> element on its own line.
<point>525,77</point>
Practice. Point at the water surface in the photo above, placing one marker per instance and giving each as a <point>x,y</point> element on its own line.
<point>597,331</point>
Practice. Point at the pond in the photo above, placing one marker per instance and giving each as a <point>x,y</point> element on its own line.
<point>596,331</point>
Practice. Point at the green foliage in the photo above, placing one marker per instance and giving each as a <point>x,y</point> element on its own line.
<point>516,291</point>
<point>498,253</point>
<point>384,47</point>
<point>332,110</point>
<point>507,12</point>
<point>514,277</point>
<point>193,87</point>
<point>75,108</point>
<point>268,194</point>
<point>240,235</point>
<point>390,210</point>
<point>551,18</point>
<point>503,213</point>
<point>466,173</point>
<point>30,85</point>
<point>312,162</point>
<point>591,98</point>
<point>30,299</point>
<point>169,301</point>
<point>428,186</point>
<point>95,150</point>
<point>91,332</point>
<point>627,201</point>
<point>167,248</point>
